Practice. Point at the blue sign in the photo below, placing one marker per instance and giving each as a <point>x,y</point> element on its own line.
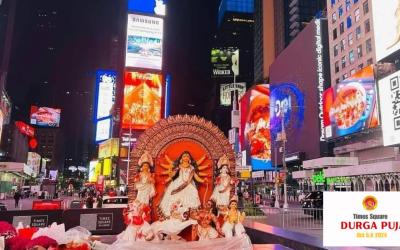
<point>153,7</point>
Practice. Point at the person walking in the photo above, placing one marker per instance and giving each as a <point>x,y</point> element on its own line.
<point>17,197</point>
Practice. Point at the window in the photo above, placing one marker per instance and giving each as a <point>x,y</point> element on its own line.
<point>352,72</point>
<point>341,27</point>
<point>350,36</point>
<point>358,32</point>
<point>343,62</point>
<point>336,66</point>
<point>367,26</point>
<point>351,56</point>
<point>370,61</point>
<point>359,51</point>
<point>340,10</point>
<point>334,17</point>
<point>368,46</point>
<point>335,50</point>
<point>348,5</point>
<point>334,34</point>
<point>349,22</point>
<point>345,76</point>
<point>365,7</point>
<point>357,15</point>
<point>342,45</point>
<point>360,66</point>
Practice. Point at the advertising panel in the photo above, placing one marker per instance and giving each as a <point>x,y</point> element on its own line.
<point>225,62</point>
<point>34,162</point>
<point>142,100</point>
<point>144,42</point>
<point>105,93</point>
<point>386,21</point>
<point>45,117</point>
<point>389,99</point>
<point>53,175</point>
<point>255,135</point>
<point>107,165</point>
<point>103,129</point>
<point>354,106</point>
<point>225,94</point>
<point>92,171</point>
<point>5,107</point>
<point>25,129</point>
<point>109,148</point>
<point>152,7</point>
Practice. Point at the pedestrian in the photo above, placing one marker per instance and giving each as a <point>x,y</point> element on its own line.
<point>89,201</point>
<point>99,201</point>
<point>17,197</point>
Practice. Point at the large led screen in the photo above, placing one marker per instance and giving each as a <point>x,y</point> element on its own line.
<point>255,135</point>
<point>144,42</point>
<point>142,100</point>
<point>354,106</point>
<point>389,99</point>
<point>105,93</point>
<point>45,117</point>
<point>225,62</point>
<point>103,129</point>
<point>152,7</point>
<point>386,27</point>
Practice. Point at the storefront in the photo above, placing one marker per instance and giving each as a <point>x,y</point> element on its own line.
<point>12,176</point>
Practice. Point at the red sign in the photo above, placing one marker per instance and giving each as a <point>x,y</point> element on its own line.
<point>25,129</point>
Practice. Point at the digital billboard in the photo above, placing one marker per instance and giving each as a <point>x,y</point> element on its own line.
<point>225,62</point>
<point>254,134</point>
<point>103,129</point>
<point>389,100</point>
<point>144,42</point>
<point>34,162</point>
<point>45,117</point>
<point>105,93</point>
<point>92,171</point>
<point>225,93</point>
<point>354,105</point>
<point>386,27</point>
<point>152,7</point>
<point>53,175</point>
<point>142,99</point>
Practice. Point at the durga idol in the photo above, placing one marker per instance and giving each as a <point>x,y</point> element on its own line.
<point>182,176</point>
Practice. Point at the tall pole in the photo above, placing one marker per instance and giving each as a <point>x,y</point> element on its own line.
<point>129,153</point>
<point>285,202</point>
<point>276,180</point>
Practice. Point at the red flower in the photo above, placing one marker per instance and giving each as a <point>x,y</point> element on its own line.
<point>43,241</point>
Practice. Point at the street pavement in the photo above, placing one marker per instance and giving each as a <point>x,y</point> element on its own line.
<point>26,204</point>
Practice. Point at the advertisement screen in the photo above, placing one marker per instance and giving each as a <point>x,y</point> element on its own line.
<point>45,117</point>
<point>34,162</point>
<point>254,134</point>
<point>92,171</point>
<point>354,105</point>
<point>389,99</point>
<point>153,7</point>
<point>226,92</point>
<point>53,175</point>
<point>144,42</point>
<point>225,62</point>
<point>386,25</point>
<point>103,129</point>
<point>109,148</point>
<point>142,100</point>
<point>105,93</point>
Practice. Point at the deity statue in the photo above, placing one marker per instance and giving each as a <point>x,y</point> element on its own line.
<point>233,220</point>
<point>144,180</point>
<point>223,184</point>
<point>174,224</point>
<point>138,229</point>
<point>205,217</point>
<point>182,174</point>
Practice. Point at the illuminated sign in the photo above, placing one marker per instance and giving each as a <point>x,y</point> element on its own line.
<point>45,117</point>
<point>354,107</point>
<point>92,171</point>
<point>389,98</point>
<point>144,42</point>
<point>105,93</point>
<point>227,89</point>
<point>320,75</point>
<point>225,62</point>
<point>34,162</point>
<point>386,27</point>
<point>156,7</point>
<point>142,100</point>
<point>107,167</point>
<point>103,129</point>
<point>318,177</point>
<point>53,175</point>
<point>109,148</point>
<point>25,129</point>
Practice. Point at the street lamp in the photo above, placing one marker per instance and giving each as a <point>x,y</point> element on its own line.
<point>282,137</point>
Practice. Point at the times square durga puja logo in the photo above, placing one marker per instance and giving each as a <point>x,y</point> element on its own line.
<point>370,203</point>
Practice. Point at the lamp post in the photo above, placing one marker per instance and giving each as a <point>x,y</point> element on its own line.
<point>276,182</point>
<point>129,151</point>
<point>283,138</point>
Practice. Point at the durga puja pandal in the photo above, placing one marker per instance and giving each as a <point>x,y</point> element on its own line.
<point>181,194</point>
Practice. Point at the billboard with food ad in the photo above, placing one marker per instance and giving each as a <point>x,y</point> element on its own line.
<point>142,100</point>
<point>144,42</point>
<point>45,116</point>
<point>353,106</point>
<point>254,134</point>
<point>386,19</point>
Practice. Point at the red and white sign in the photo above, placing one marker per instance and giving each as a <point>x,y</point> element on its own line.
<point>25,129</point>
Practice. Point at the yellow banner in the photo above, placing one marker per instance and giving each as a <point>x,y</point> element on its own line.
<point>109,148</point>
<point>107,167</point>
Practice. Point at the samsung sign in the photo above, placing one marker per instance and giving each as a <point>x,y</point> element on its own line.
<point>320,75</point>
<point>105,93</point>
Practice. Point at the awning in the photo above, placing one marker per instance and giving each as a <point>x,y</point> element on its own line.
<point>330,162</point>
<point>364,169</point>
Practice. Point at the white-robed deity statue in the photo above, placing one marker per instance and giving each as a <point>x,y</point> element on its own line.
<point>182,176</point>
<point>144,180</point>
<point>223,184</point>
